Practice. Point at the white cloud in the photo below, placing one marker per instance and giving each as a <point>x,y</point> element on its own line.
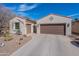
<point>22,14</point>
<point>73,15</point>
<point>25,7</point>
<point>11,8</point>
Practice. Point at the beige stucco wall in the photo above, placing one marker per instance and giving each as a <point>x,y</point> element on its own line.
<point>75,27</point>
<point>22,25</point>
<point>56,20</point>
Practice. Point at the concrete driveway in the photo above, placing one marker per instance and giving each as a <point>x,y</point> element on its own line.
<point>48,45</point>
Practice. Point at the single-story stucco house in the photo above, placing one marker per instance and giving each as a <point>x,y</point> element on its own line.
<point>21,25</point>
<point>54,24</point>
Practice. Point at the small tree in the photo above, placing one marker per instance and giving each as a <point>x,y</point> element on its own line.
<point>5,15</point>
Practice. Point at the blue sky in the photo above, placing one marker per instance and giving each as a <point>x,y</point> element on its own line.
<point>36,11</point>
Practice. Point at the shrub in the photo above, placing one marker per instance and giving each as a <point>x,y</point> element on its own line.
<point>7,36</point>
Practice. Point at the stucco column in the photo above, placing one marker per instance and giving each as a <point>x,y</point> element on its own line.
<point>38,28</point>
<point>32,28</point>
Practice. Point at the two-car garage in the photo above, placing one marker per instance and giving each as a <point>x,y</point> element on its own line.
<point>54,24</point>
<point>53,29</point>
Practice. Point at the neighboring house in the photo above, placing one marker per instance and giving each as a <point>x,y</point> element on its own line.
<point>75,27</point>
<point>20,25</point>
<point>54,24</point>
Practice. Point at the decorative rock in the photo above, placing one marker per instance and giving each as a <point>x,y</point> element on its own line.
<point>2,44</point>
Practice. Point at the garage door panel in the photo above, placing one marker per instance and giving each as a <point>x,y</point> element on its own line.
<point>52,29</point>
<point>28,26</point>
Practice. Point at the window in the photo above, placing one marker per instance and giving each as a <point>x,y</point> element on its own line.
<point>17,25</point>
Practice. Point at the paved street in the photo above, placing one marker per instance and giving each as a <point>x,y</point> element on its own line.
<point>48,45</point>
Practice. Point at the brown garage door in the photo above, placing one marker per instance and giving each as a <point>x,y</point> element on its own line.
<point>52,29</point>
<point>28,28</point>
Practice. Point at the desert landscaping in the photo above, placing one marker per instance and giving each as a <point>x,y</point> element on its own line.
<point>12,45</point>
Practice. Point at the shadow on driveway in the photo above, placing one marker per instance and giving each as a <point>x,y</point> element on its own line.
<point>75,43</point>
